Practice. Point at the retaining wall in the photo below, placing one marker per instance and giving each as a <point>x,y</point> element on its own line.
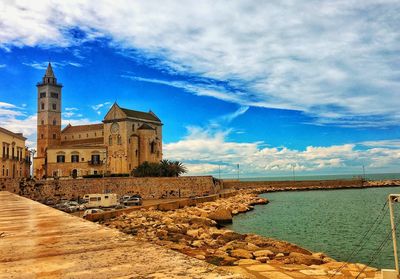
<point>148,188</point>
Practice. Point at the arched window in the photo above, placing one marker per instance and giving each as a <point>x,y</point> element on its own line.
<point>110,140</point>
<point>42,105</point>
<point>54,122</point>
<point>119,140</point>
<point>42,122</point>
<point>152,147</point>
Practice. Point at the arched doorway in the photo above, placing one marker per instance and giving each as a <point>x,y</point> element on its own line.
<point>74,173</point>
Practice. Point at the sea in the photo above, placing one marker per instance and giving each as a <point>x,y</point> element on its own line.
<point>367,176</point>
<point>347,225</point>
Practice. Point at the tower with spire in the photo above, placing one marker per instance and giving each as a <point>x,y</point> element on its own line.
<point>48,118</point>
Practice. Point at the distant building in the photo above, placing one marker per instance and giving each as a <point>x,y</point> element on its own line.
<point>15,157</point>
<point>124,139</point>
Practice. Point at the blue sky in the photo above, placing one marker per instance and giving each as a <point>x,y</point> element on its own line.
<point>309,84</point>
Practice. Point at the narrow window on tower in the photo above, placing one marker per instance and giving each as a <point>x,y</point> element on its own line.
<point>42,105</point>
<point>54,136</point>
<point>54,95</point>
<point>110,140</point>
<point>41,136</point>
<point>42,122</point>
<point>54,122</point>
<point>42,94</point>
<point>54,106</point>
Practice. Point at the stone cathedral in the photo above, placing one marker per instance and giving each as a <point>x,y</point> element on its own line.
<point>125,138</point>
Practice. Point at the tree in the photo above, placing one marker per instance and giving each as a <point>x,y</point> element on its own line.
<point>165,168</point>
<point>147,169</point>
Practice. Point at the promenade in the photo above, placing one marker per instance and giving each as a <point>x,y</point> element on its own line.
<point>37,241</point>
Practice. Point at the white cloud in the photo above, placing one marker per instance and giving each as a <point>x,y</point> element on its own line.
<point>99,106</point>
<point>3,66</point>
<point>43,65</point>
<point>205,151</point>
<point>336,56</point>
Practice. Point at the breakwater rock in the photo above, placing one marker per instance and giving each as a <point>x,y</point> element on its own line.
<point>195,231</point>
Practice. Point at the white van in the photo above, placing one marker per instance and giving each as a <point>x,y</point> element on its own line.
<point>100,200</point>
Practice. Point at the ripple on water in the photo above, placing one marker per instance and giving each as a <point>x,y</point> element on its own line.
<point>331,221</point>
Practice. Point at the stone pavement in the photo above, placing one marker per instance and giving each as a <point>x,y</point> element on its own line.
<point>291,271</point>
<point>37,241</point>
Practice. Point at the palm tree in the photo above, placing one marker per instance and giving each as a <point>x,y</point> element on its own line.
<point>165,168</point>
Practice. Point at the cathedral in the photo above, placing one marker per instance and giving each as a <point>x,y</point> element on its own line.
<point>125,138</point>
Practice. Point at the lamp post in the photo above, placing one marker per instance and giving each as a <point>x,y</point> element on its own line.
<point>391,199</point>
<point>32,153</point>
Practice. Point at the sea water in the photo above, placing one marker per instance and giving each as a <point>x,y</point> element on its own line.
<point>331,221</point>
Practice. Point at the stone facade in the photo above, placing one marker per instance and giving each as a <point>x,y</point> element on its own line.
<point>148,188</point>
<point>125,139</point>
<point>15,157</point>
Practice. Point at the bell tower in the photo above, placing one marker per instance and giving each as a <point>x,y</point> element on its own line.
<point>48,118</point>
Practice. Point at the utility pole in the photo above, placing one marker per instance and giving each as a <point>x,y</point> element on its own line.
<point>394,198</point>
<point>363,173</point>
<point>294,176</point>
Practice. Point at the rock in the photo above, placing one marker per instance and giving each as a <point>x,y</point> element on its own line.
<point>263,253</point>
<point>262,259</point>
<point>298,258</point>
<point>193,233</point>
<point>178,247</point>
<point>200,257</point>
<point>241,254</point>
<point>279,255</point>
<point>197,243</point>
<point>230,235</point>
<point>251,247</point>
<point>221,215</point>
<point>246,262</point>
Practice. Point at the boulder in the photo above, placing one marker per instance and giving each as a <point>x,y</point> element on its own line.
<point>262,259</point>
<point>221,215</point>
<point>246,262</point>
<point>263,253</point>
<point>298,258</point>
<point>241,254</point>
<point>229,236</point>
<point>197,243</point>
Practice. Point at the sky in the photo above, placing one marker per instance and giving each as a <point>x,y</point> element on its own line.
<point>270,85</point>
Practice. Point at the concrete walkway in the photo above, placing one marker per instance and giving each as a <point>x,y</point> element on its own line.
<point>37,241</point>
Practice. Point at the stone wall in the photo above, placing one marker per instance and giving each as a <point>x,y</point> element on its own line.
<point>148,188</point>
<point>288,185</point>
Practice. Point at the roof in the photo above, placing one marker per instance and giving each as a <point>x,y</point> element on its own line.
<point>49,71</point>
<point>82,128</point>
<point>145,126</point>
<point>8,132</point>
<point>84,142</point>
<point>140,114</point>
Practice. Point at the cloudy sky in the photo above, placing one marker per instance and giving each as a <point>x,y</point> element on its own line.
<point>266,84</point>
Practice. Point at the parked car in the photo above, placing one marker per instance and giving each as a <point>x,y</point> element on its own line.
<point>92,211</point>
<point>134,200</point>
<point>49,201</point>
<point>75,205</point>
<point>124,198</point>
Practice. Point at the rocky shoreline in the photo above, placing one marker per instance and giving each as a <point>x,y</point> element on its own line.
<point>197,232</point>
